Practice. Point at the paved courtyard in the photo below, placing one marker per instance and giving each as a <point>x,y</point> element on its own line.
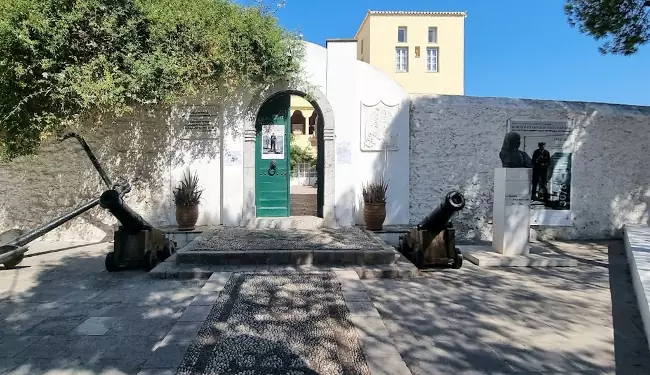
<point>61,313</point>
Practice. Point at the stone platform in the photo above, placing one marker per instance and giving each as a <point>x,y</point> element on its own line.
<point>253,246</point>
<point>227,249</point>
<point>485,256</point>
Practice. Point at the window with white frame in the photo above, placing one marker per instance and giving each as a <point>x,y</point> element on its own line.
<point>432,59</point>
<point>362,46</point>
<point>401,59</point>
<point>401,34</point>
<point>433,34</point>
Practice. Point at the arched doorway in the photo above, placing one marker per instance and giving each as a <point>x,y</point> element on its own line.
<point>273,156</point>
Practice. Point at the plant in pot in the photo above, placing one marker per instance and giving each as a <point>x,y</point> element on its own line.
<point>374,199</point>
<point>187,197</point>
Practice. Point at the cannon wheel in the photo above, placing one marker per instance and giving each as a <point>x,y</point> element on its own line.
<point>458,259</point>
<point>403,246</point>
<point>168,250</point>
<point>110,264</point>
<point>150,260</point>
<point>417,257</point>
<point>13,262</point>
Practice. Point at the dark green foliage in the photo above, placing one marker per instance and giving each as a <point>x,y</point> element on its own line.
<point>623,25</point>
<point>188,193</point>
<point>375,191</point>
<point>62,60</point>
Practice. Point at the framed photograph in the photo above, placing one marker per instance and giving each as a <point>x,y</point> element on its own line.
<point>550,146</point>
<point>273,142</point>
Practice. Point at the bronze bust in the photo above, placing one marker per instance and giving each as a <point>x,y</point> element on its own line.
<point>511,156</point>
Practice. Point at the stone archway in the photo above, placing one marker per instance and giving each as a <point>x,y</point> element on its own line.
<point>320,103</point>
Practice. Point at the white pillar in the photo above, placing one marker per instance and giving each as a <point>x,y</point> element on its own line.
<point>342,95</point>
<point>511,211</point>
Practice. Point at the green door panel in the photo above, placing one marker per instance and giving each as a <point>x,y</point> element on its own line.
<point>272,170</point>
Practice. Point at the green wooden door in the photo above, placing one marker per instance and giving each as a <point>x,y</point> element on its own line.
<point>272,158</point>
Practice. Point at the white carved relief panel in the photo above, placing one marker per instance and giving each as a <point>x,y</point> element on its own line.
<point>377,130</point>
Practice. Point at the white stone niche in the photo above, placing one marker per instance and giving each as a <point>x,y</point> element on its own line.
<point>511,210</point>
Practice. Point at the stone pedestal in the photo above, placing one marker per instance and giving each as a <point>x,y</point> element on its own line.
<point>511,210</point>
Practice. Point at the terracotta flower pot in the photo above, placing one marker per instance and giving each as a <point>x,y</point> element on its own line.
<point>186,217</point>
<point>374,215</point>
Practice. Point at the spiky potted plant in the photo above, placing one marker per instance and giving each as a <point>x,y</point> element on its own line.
<point>374,199</point>
<point>187,197</point>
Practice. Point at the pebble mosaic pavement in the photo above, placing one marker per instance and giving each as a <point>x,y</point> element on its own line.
<point>247,239</point>
<point>285,323</point>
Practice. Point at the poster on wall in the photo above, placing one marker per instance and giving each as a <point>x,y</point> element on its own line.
<point>550,146</point>
<point>272,141</point>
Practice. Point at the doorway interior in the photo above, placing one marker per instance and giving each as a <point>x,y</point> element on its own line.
<point>289,157</point>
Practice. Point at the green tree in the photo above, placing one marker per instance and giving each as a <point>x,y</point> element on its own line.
<point>300,155</point>
<point>62,60</point>
<point>622,25</point>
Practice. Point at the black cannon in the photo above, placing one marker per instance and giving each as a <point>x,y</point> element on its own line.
<point>136,242</point>
<point>13,243</point>
<point>433,240</point>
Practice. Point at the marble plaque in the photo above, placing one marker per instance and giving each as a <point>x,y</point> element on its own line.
<point>377,130</point>
<point>343,152</point>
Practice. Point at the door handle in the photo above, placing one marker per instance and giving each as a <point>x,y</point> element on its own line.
<point>272,169</point>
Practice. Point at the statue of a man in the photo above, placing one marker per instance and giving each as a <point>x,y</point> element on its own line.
<point>511,156</point>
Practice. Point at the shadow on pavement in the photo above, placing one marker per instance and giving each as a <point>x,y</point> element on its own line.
<point>520,320</point>
<point>61,312</point>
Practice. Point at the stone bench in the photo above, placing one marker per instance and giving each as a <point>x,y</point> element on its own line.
<point>637,247</point>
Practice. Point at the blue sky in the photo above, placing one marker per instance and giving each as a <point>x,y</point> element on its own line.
<point>513,48</point>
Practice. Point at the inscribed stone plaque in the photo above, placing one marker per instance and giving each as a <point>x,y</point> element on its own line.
<point>343,152</point>
<point>517,200</point>
<point>232,158</point>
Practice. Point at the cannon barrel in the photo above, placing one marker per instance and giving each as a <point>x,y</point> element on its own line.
<point>91,156</point>
<point>130,220</point>
<point>42,230</point>
<point>437,220</point>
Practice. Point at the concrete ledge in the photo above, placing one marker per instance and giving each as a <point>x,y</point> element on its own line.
<point>637,248</point>
<point>288,257</point>
<point>484,256</point>
<point>171,270</point>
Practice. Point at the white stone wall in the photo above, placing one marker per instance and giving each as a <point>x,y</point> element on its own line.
<point>151,150</point>
<point>455,143</point>
<point>38,188</point>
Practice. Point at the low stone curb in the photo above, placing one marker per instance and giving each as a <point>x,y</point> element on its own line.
<point>288,257</point>
<point>170,270</point>
<point>382,356</point>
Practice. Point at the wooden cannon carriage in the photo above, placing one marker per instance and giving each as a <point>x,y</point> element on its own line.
<point>433,241</point>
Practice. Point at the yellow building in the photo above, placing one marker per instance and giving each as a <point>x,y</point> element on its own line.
<point>303,124</point>
<point>423,51</point>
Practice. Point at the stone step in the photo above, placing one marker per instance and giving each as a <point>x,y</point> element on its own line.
<point>289,257</point>
<point>170,269</point>
<point>292,222</point>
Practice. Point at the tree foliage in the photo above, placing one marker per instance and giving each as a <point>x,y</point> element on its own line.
<point>61,60</point>
<point>622,25</point>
